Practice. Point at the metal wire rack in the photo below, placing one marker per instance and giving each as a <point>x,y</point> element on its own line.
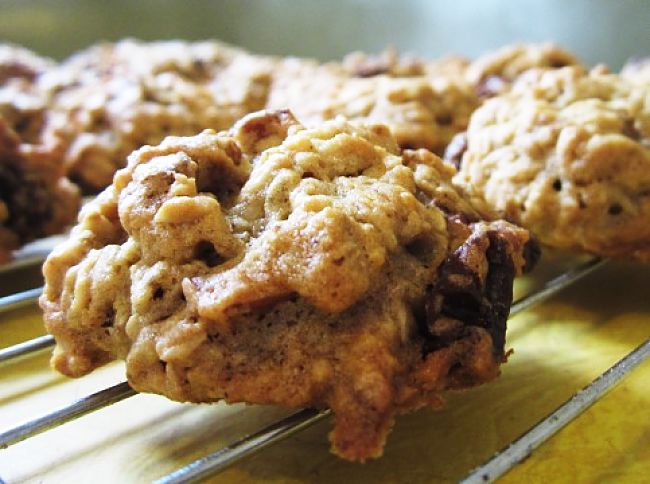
<point>213,463</point>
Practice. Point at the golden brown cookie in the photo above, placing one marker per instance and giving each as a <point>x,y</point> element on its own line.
<point>493,72</point>
<point>567,155</point>
<point>278,264</point>
<point>113,98</point>
<point>422,111</point>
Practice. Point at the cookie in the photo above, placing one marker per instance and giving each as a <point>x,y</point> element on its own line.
<point>113,98</point>
<point>566,154</point>
<point>423,111</point>
<point>494,72</point>
<point>278,264</point>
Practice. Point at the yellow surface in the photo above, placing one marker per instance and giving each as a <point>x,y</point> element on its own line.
<point>560,346</point>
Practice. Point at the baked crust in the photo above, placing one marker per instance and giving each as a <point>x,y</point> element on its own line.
<point>566,154</point>
<point>286,265</point>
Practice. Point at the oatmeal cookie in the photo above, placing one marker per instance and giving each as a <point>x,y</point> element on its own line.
<point>494,72</point>
<point>637,70</point>
<point>567,155</point>
<point>278,264</point>
<point>421,111</point>
<point>113,98</point>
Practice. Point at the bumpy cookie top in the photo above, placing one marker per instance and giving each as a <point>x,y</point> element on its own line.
<point>423,111</point>
<point>493,72</point>
<point>288,265</point>
<point>566,154</point>
<point>113,98</point>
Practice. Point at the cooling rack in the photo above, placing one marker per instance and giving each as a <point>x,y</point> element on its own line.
<point>218,461</point>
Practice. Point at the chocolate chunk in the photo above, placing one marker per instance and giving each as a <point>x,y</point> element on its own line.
<point>462,298</point>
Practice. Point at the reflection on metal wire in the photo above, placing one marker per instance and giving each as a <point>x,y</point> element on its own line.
<point>521,448</point>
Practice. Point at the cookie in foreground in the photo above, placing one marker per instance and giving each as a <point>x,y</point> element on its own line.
<point>277,264</point>
<point>566,154</point>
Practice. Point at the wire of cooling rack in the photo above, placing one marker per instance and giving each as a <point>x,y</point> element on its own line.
<point>225,457</point>
<point>83,406</point>
<point>521,448</point>
<point>19,299</point>
<point>33,253</point>
<point>26,348</point>
<point>22,263</point>
<point>277,431</point>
